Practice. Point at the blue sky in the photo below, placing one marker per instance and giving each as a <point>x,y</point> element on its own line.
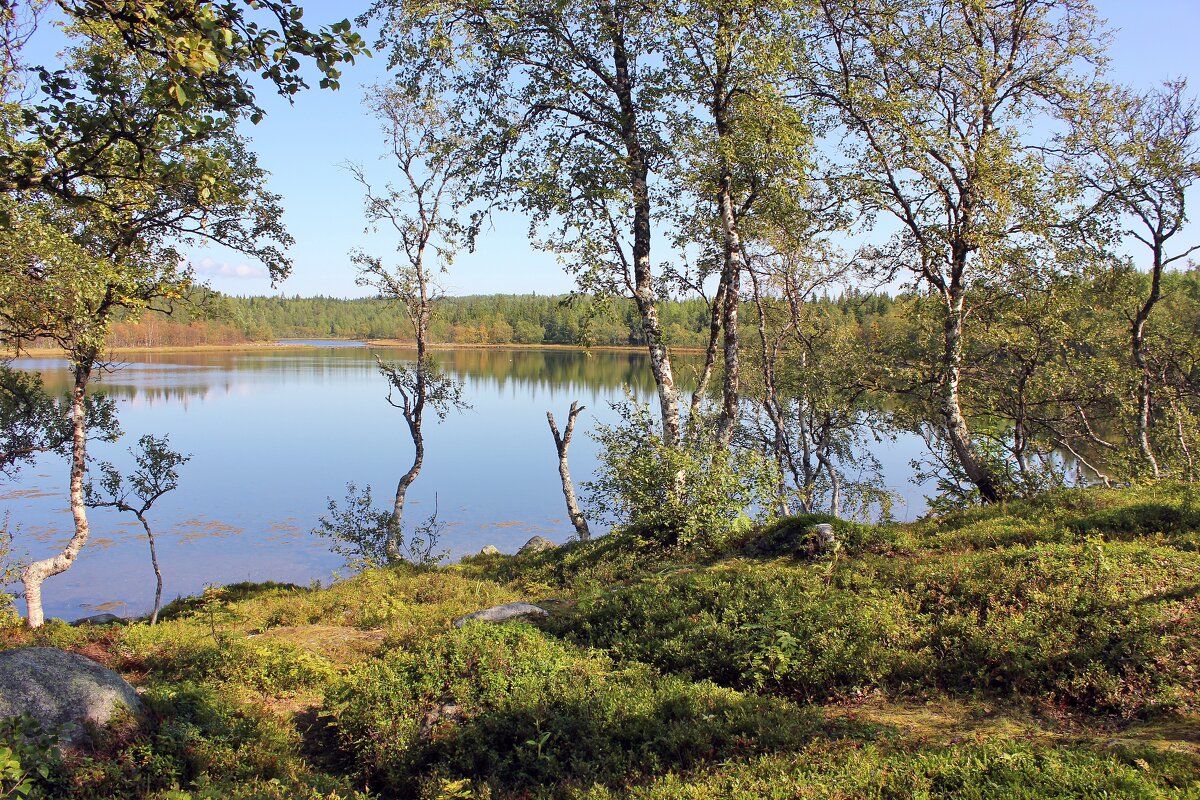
<point>305,146</point>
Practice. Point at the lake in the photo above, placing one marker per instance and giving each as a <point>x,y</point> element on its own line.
<point>275,432</point>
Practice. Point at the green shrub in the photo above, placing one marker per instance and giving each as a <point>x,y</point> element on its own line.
<point>998,770</point>
<point>793,536</point>
<point>28,756</point>
<point>10,573</point>
<point>756,626</point>
<point>1108,628</point>
<point>693,496</point>
<point>1166,510</point>
<point>201,744</point>
<point>504,707</point>
<point>260,664</point>
<point>1089,624</point>
<point>1178,525</point>
<point>573,566</point>
<point>183,607</point>
<point>404,600</point>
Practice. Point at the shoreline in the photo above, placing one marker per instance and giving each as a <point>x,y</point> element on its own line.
<point>54,352</point>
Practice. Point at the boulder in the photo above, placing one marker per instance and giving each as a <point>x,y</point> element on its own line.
<point>536,545</point>
<point>791,537</point>
<point>62,690</point>
<point>502,613</point>
<point>445,712</point>
<point>490,550</point>
<point>825,541</point>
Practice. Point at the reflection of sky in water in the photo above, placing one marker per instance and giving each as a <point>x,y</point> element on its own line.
<point>275,433</point>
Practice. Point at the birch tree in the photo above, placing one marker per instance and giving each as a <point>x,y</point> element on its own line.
<point>810,380</point>
<point>71,269</point>
<point>570,99</point>
<point>741,137</point>
<point>421,210</point>
<point>69,131</point>
<point>942,99</point>
<point>155,474</point>
<point>1143,154</point>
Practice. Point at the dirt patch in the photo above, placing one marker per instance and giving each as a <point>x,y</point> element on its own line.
<point>338,643</point>
<point>946,722</point>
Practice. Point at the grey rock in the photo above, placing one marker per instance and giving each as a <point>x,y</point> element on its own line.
<point>490,550</point>
<point>98,619</point>
<point>501,613</point>
<point>825,540</point>
<point>446,712</point>
<point>61,689</point>
<point>536,545</point>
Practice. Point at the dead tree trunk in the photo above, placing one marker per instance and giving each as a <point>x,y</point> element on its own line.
<point>561,443</point>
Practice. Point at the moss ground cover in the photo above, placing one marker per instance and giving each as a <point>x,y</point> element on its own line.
<point>1046,649</point>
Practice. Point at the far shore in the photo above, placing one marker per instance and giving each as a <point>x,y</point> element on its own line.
<point>54,352</point>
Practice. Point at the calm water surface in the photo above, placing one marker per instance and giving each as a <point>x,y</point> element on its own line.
<point>275,432</point>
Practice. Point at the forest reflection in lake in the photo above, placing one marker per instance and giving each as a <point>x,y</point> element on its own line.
<point>275,432</point>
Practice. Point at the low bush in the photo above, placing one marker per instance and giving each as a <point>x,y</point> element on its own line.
<point>506,708</point>
<point>691,496</point>
<point>1180,526</point>
<point>757,626</point>
<point>198,743</point>
<point>1094,626</point>
<point>260,664</point>
<point>914,638</point>
<point>1167,511</point>
<point>571,567</point>
<point>28,756</point>
<point>182,607</point>
<point>793,536</point>
<point>998,770</point>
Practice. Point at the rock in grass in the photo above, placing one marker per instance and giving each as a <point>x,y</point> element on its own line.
<point>446,712</point>
<point>536,545</point>
<point>825,541</point>
<point>490,550</point>
<point>62,690</point>
<point>502,613</point>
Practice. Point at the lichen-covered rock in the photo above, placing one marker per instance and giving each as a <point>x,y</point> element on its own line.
<point>490,550</point>
<point>536,545</point>
<point>61,690</point>
<point>501,613</point>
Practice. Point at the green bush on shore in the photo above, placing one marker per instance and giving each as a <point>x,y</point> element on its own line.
<point>1101,626</point>
<point>511,709</point>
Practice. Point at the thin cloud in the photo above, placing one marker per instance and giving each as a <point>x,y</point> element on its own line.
<point>223,269</point>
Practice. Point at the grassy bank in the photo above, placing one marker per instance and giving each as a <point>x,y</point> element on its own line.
<point>54,352</point>
<point>1045,649</point>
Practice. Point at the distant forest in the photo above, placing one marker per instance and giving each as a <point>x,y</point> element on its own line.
<point>215,319</point>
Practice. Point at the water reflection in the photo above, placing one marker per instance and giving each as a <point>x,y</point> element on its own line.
<point>176,376</point>
<point>274,432</point>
